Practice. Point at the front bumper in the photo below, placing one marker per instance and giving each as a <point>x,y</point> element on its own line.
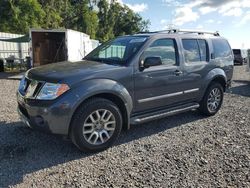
<point>52,117</point>
<point>36,122</point>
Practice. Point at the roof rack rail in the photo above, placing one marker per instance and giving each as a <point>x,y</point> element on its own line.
<point>146,32</point>
<point>185,31</point>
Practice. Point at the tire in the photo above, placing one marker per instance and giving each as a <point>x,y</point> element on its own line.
<point>91,130</point>
<point>212,100</point>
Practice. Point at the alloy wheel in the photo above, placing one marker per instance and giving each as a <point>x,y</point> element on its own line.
<point>99,127</point>
<point>214,100</point>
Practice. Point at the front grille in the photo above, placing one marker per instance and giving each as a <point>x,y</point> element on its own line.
<point>27,83</point>
<point>32,88</point>
<point>39,86</point>
<point>23,111</point>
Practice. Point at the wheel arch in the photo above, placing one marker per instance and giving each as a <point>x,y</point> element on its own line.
<point>109,90</point>
<point>118,101</point>
<point>221,80</point>
<point>216,75</point>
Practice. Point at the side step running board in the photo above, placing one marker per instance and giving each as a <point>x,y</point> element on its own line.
<point>163,113</point>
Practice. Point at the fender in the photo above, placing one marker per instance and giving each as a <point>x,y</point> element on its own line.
<point>89,88</point>
<point>212,74</point>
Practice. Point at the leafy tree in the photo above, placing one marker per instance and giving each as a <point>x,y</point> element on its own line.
<point>85,19</point>
<point>53,10</point>
<point>116,20</point>
<point>17,16</point>
<point>100,19</point>
<point>144,25</point>
<point>68,15</point>
<point>105,30</point>
<point>91,24</point>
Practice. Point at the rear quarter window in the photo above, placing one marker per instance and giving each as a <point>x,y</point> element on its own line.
<point>221,48</point>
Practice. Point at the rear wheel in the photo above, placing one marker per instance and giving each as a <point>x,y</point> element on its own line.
<point>96,125</point>
<point>212,100</point>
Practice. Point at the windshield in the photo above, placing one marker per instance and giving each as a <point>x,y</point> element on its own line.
<point>118,50</point>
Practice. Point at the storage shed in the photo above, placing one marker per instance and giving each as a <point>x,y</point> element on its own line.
<point>51,46</point>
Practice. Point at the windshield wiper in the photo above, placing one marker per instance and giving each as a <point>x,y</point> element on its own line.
<point>106,61</point>
<point>94,59</point>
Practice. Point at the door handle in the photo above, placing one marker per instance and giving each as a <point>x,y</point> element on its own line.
<point>178,72</point>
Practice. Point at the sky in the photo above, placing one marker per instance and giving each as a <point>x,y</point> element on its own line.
<point>230,17</point>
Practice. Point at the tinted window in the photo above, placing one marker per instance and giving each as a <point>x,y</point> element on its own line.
<point>203,50</point>
<point>236,52</point>
<point>191,50</point>
<point>221,48</point>
<point>164,48</point>
<point>195,50</point>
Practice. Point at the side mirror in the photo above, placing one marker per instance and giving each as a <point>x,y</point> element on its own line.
<point>152,61</point>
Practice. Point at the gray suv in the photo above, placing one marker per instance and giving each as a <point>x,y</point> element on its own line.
<point>129,80</point>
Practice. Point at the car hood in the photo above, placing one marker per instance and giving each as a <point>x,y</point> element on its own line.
<point>69,71</point>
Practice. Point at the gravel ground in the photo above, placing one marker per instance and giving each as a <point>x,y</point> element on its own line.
<point>186,150</point>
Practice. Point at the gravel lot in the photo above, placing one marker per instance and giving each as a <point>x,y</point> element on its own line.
<point>186,150</point>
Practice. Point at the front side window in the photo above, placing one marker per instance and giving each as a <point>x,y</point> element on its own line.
<point>117,51</point>
<point>221,48</point>
<point>164,48</point>
<point>195,50</point>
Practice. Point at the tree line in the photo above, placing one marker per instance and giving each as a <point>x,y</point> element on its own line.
<point>101,19</point>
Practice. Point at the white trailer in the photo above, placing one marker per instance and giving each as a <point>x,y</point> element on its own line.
<point>51,46</point>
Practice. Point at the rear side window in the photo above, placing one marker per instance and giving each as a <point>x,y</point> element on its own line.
<point>195,50</point>
<point>237,52</point>
<point>203,50</point>
<point>221,48</point>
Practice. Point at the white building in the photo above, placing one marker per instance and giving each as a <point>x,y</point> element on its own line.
<point>7,49</point>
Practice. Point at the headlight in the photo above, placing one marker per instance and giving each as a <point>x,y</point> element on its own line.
<point>51,91</point>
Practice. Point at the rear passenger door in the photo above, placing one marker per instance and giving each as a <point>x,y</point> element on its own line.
<point>195,66</point>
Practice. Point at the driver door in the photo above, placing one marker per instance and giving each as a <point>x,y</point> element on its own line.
<point>159,86</point>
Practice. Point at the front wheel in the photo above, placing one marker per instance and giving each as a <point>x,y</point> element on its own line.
<point>96,125</point>
<point>212,100</point>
